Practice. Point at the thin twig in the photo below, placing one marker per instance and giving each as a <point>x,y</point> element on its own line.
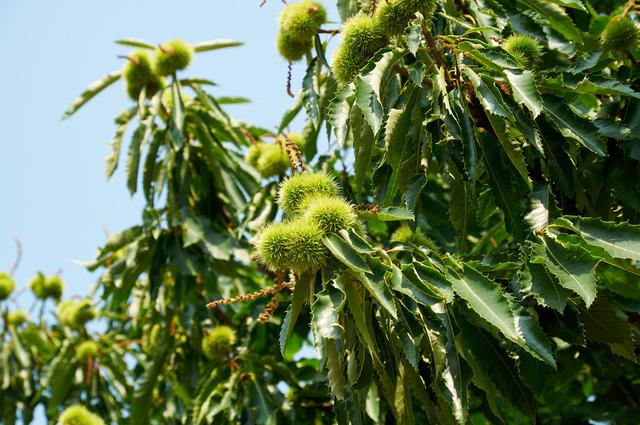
<point>628,6</point>
<point>16,263</point>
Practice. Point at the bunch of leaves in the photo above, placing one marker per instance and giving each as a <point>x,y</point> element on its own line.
<point>518,303</point>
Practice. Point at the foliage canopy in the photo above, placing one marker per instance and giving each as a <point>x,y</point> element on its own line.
<point>466,250</point>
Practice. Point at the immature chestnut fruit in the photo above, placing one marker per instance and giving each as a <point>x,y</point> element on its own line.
<point>37,285</point>
<point>362,37</point>
<point>330,214</point>
<point>619,34</point>
<point>273,245</point>
<point>393,16</point>
<point>253,153</point>
<point>294,190</point>
<point>273,160</point>
<point>79,415</point>
<point>172,56</point>
<point>524,49</point>
<point>219,342</point>
<point>17,317</point>
<point>404,234</point>
<point>53,287</point>
<point>87,349</point>
<point>298,23</point>
<point>7,285</point>
<point>138,72</point>
<point>291,48</point>
<point>307,251</point>
<point>75,314</point>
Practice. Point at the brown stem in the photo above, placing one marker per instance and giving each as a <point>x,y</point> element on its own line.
<point>289,92</point>
<point>628,6</point>
<point>130,59</point>
<point>18,259</point>
<point>435,52</point>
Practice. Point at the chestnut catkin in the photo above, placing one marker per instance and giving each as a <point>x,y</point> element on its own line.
<point>298,139</point>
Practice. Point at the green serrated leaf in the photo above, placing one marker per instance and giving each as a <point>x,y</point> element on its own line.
<point>394,214</point>
<point>507,195</point>
<point>486,298</point>
<point>344,252</point>
<point>335,367</point>
<point>140,136</point>
<point>299,298</point>
<point>369,84</point>
<point>325,311</point>
<point>572,126</point>
<point>557,17</point>
<point>541,203</point>
<point>91,91</point>
<point>607,324</point>
<point>461,211</point>
<point>215,44</point>
<point>402,140</point>
<point>310,93</point>
<point>135,42</point>
<point>572,266</point>
<point>524,90</point>
<point>620,240</point>
<point>545,288</point>
<point>339,110</point>
<point>146,384</point>
<point>487,93</point>
<point>116,144</point>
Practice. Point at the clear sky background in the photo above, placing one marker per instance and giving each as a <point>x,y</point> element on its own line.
<point>53,192</point>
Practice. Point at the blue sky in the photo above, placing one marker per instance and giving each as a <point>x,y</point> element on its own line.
<point>53,191</point>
